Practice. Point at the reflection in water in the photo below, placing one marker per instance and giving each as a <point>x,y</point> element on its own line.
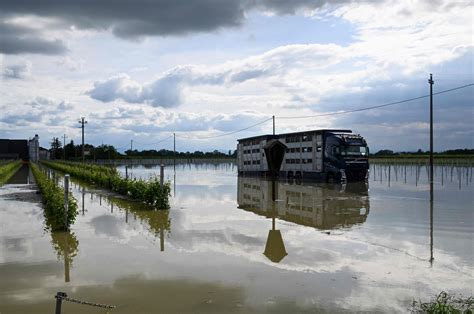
<point>431,220</point>
<point>321,206</point>
<point>22,176</point>
<point>275,248</point>
<point>461,174</point>
<point>83,192</point>
<point>318,205</point>
<point>157,220</point>
<point>66,246</point>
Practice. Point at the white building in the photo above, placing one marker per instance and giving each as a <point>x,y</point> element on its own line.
<point>34,148</point>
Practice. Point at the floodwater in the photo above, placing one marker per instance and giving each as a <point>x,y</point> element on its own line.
<point>233,244</point>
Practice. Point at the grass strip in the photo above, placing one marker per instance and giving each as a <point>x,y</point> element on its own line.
<point>149,192</point>
<point>53,200</point>
<point>8,169</point>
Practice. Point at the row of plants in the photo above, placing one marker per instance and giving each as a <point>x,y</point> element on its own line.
<point>8,169</point>
<point>466,162</point>
<point>53,200</point>
<point>151,192</point>
<point>109,170</point>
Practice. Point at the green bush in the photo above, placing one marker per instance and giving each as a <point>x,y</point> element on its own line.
<point>150,192</point>
<point>8,169</point>
<point>53,200</point>
<point>444,303</point>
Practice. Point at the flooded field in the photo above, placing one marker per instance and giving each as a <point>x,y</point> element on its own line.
<point>243,244</point>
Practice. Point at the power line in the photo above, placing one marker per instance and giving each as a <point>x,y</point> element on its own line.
<point>225,134</point>
<point>378,106</point>
<point>302,117</point>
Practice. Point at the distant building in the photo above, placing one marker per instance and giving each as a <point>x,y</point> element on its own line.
<point>14,149</point>
<point>44,154</point>
<point>20,149</point>
<point>34,148</point>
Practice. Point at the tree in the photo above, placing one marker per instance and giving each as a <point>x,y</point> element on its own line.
<point>56,148</point>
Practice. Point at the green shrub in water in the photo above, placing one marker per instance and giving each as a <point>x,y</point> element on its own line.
<point>150,192</point>
<point>444,303</point>
<point>53,200</point>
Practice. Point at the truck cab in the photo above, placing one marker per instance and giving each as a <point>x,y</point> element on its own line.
<point>346,157</point>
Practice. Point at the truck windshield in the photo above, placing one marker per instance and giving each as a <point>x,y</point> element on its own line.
<point>354,151</point>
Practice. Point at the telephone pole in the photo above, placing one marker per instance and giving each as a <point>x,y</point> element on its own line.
<point>64,147</point>
<point>431,82</point>
<point>82,122</point>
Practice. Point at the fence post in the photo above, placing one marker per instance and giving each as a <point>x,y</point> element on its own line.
<point>162,174</point>
<point>66,199</point>
<point>126,172</point>
<point>59,299</point>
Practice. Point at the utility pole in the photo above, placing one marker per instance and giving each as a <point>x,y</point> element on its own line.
<point>64,147</point>
<point>82,122</point>
<point>431,82</point>
<point>174,152</point>
<point>131,149</point>
<point>273,117</point>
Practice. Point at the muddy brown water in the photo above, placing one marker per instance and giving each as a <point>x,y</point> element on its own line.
<point>233,244</point>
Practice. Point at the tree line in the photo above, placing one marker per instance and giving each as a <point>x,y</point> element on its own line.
<point>71,151</point>
<point>420,152</point>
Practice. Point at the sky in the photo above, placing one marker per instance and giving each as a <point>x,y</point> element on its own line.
<point>142,70</point>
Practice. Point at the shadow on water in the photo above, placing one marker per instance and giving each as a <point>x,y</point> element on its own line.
<point>318,205</point>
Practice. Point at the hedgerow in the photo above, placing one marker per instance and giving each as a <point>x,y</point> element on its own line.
<point>53,200</point>
<point>8,169</point>
<point>151,192</point>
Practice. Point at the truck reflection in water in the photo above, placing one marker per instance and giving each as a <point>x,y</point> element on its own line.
<point>318,205</point>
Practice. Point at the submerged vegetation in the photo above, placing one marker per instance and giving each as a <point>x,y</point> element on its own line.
<point>8,169</point>
<point>53,200</point>
<point>151,192</point>
<point>444,303</point>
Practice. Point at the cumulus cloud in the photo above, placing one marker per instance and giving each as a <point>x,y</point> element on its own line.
<point>17,71</point>
<point>166,90</point>
<point>152,121</point>
<point>19,39</point>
